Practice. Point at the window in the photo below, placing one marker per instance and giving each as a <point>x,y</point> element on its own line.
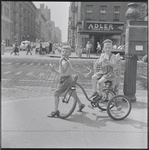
<point>7,26</point>
<point>89,12</point>
<point>6,12</point>
<point>102,13</point>
<point>116,14</point>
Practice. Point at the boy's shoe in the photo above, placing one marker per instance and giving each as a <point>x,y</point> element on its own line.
<point>94,96</point>
<point>53,114</point>
<point>81,107</point>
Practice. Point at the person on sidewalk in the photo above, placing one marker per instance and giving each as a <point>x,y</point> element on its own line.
<point>15,48</point>
<point>98,49</point>
<point>88,49</point>
<point>3,47</point>
<point>41,49</point>
<point>65,72</point>
<point>29,49</point>
<point>106,65</point>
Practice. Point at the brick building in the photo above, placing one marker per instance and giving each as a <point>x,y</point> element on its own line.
<point>97,21</point>
<point>23,15</point>
<point>5,22</point>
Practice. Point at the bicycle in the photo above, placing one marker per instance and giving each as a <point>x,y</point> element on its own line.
<point>118,107</point>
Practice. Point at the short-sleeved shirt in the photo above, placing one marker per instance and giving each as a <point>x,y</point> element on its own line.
<point>105,69</point>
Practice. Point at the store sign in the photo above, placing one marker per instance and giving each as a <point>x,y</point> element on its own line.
<point>105,27</point>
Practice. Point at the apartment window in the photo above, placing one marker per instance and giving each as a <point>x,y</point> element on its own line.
<point>89,12</point>
<point>6,12</point>
<point>116,13</point>
<point>103,11</point>
<point>7,26</point>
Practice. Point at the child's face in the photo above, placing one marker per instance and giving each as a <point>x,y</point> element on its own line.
<point>107,47</point>
<point>65,53</point>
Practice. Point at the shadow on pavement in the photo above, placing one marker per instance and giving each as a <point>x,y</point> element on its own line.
<point>139,105</point>
<point>101,121</point>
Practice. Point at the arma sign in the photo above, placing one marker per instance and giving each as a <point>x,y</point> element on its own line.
<point>104,27</point>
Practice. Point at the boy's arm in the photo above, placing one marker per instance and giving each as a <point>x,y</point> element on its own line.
<point>53,69</point>
<point>63,66</point>
<point>112,63</point>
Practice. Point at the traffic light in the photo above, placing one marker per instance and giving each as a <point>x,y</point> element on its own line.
<point>143,10</point>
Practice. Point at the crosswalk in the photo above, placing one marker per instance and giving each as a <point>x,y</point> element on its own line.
<point>25,64</point>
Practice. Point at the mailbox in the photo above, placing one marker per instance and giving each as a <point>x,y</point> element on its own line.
<point>138,37</point>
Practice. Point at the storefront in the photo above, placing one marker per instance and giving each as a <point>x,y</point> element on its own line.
<point>94,32</point>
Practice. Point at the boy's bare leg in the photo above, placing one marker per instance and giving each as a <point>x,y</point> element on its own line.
<point>94,83</point>
<point>101,84</point>
<point>56,103</point>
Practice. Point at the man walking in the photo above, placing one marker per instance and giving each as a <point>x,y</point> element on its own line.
<point>88,49</point>
<point>29,49</point>
<point>15,48</point>
<point>98,49</point>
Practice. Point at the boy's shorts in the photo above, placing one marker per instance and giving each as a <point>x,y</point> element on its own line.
<point>65,82</point>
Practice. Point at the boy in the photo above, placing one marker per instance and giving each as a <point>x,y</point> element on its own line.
<point>65,71</point>
<point>107,64</point>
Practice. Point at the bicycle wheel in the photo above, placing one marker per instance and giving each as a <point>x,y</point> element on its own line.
<point>106,96</point>
<point>67,105</point>
<point>121,107</point>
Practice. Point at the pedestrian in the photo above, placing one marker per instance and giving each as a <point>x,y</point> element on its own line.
<point>28,49</point>
<point>3,47</point>
<point>41,50</point>
<point>88,49</point>
<point>79,51</point>
<point>98,49</point>
<point>106,65</point>
<point>15,48</point>
<point>50,50</point>
<point>65,81</point>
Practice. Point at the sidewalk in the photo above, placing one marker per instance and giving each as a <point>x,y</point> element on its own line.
<point>56,55</point>
<point>25,125</point>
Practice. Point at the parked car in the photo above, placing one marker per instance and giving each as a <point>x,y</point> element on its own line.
<point>120,50</point>
<point>23,45</point>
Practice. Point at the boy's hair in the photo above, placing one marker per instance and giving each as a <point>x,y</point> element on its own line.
<point>67,47</point>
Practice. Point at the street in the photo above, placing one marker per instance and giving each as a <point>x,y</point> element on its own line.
<point>27,99</point>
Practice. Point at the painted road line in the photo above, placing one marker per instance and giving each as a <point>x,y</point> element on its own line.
<point>24,64</point>
<point>29,73</point>
<point>17,63</point>
<point>18,73</point>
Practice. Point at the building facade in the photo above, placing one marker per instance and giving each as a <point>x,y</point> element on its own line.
<point>97,21</point>
<point>58,35</point>
<point>5,22</point>
<point>23,15</point>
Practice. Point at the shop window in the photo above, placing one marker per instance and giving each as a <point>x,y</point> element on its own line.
<point>102,13</point>
<point>116,13</point>
<point>89,12</point>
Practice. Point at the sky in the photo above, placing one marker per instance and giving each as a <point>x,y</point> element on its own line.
<point>59,14</point>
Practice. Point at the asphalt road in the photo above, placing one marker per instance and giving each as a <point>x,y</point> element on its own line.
<point>26,77</point>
